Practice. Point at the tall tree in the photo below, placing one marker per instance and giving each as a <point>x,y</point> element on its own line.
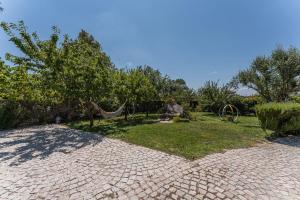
<point>133,86</point>
<point>87,71</point>
<point>275,77</point>
<point>76,70</point>
<point>4,80</point>
<point>43,58</point>
<point>213,96</point>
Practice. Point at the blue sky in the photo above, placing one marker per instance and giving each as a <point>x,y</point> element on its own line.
<point>196,40</point>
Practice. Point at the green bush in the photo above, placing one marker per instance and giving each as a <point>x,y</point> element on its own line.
<point>245,105</point>
<point>283,118</point>
<point>12,114</point>
<point>176,119</point>
<point>296,99</point>
<point>180,119</point>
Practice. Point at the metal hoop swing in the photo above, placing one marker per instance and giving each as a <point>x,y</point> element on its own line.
<point>229,113</point>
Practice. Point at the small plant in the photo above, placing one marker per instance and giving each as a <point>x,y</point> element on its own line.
<point>176,119</point>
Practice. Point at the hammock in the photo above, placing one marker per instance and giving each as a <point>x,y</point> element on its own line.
<point>107,115</point>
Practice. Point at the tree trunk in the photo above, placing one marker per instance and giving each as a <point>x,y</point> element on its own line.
<point>91,116</point>
<point>147,110</point>
<point>69,110</point>
<point>126,113</point>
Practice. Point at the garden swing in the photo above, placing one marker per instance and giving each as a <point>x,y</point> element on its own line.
<point>106,114</point>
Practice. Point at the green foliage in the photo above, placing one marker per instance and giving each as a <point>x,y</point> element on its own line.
<point>87,70</point>
<point>49,73</point>
<point>245,105</point>
<point>280,117</point>
<point>12,114</point>
<point>295,99</point>
<point>213,97</point>
<point>132,85</point>
<point>156,79</point>
<point>166,88</point>
<point>176,119</point>
<point>275,77</point>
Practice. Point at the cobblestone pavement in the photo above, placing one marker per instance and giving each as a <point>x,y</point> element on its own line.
<point>54,162</point>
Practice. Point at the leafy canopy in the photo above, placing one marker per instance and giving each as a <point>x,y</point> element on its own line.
<point>275,77</point>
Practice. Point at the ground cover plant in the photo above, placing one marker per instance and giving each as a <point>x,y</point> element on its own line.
<point>193,139</point>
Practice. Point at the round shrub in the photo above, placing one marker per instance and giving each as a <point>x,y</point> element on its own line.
<point>283,118</point>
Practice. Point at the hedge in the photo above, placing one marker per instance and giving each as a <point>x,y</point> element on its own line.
<point>283,118</point>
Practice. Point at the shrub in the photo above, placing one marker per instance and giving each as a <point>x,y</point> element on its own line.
<point>17,113</point>
<point>176,119</point>
<point>296,99</point>
<point>213,96</point>
<point>246,105</point>
<point>12,114</point>
<point>283,118</point>
<point>180,119</point>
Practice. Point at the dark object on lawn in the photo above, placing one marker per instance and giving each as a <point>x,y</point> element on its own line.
<point>172,110</point>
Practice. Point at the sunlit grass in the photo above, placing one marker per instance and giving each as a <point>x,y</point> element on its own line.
<point>194,139</point>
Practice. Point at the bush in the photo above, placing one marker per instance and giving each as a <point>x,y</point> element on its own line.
<point>213,96</point>
<point>17,113</point>
<point>296,99</point>
<point>12,114</point>
<point>176,119</point>
<point>283,118</point>
<point>246,105</point>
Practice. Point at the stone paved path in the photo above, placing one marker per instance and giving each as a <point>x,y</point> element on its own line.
<point>54,162</point>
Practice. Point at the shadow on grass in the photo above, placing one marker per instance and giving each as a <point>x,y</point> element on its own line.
<point>114,126</point>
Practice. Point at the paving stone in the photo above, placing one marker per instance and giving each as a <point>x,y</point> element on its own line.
<point>55,162</point>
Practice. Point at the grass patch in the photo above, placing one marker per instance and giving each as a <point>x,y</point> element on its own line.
<point>192,140</point>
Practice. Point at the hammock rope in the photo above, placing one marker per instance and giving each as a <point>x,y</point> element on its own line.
<point>107,115</point>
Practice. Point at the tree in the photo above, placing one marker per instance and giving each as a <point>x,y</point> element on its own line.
<point>4,80</point>
<point>76,70</point>
<point>87,71</point>
<point>133,86</point>
<point>165,87</point>
<point>275,77</point>
<point>156,79</point>
<point>213,97</point>
<point>42,58</point>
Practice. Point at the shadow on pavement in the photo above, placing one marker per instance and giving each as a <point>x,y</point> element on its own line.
<point>22,145</point>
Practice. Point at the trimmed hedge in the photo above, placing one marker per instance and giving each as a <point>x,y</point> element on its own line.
<point>283,118</point>
<point>296,99</point>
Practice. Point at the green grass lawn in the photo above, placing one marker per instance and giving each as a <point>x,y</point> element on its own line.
<point>194,139</point>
